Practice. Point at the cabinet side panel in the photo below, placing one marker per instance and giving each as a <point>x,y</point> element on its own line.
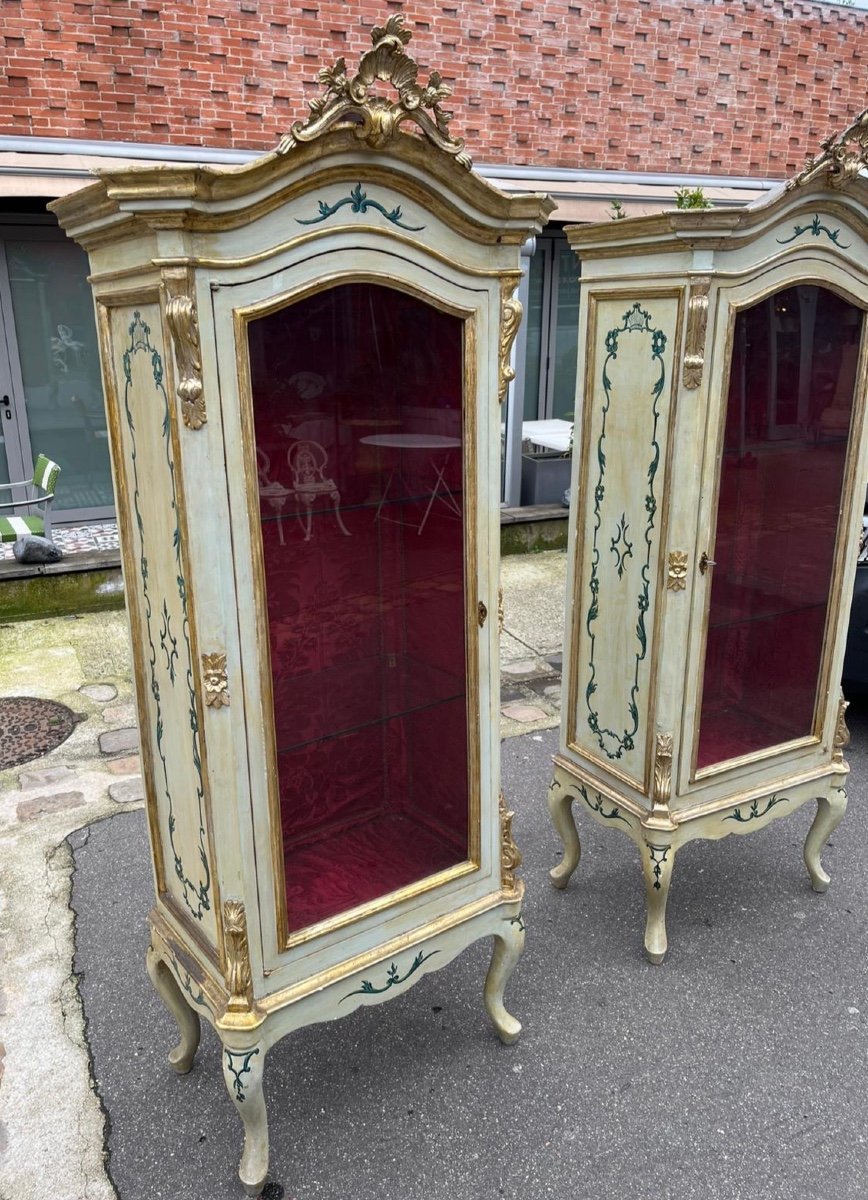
<point>629,386</point>
<point>158,601</point>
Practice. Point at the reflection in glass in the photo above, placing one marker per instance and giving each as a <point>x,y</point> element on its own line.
<point>357,400</point>
<point>785,448</point>
<point>56,337</point>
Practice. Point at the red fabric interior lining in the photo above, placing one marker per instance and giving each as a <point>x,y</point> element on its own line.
<point>365,591</point>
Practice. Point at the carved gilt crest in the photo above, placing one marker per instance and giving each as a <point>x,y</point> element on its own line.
<point>348,101</point>
<point>843,156</point>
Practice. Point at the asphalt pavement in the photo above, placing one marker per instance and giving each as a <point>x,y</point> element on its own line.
<point>734,1071</point>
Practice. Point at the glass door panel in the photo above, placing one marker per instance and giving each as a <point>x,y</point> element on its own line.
<point>55,335</point>
<point>357,400</point>
<point>785,449</point>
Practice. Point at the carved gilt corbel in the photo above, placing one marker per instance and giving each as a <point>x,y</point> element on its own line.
<point>510,319</point>
<point>697,323</point>
<point>183,323</point>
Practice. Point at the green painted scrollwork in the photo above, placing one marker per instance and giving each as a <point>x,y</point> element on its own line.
<point>597,806</point>
<point>195,892</point>
<point>663,852</point>
<point>393,978</point>
<point>815,228</point>
<point>615,742</point>
<point>620,546</point>
<point>238,1072</point>
<point>359,202</point>
<point>754,812</point>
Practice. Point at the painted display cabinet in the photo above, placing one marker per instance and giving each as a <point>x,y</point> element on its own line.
<point>304,360</point>
<point>719,473</point>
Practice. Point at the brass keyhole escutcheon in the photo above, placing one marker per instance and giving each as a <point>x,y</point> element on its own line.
<point>705,562</point>
<point>482,614</point>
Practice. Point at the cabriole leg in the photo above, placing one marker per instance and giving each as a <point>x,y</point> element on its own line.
<point>242,1071</point>
<point>181,1058</point>
<point>561,810</point>
<point>508,945</point>
<point>657,861</point>
<point>830,811</point>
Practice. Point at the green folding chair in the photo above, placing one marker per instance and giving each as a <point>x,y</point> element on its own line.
<point>41,493</point>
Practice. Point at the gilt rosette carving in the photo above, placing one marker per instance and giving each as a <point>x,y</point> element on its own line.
<point>375,120</point>
<point>676,576</point>
<point>697,322</point>
<point>216,680</point>
<point>842,733</point>
<point>182,319</point>
<point>237,957</point>
<point>841,159</point>
<point>510,319</point>
<point>510,855</point>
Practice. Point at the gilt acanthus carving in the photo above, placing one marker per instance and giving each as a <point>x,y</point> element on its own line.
<point>237,962</point>
<point>663,772</point>
<point>183,325</point>
<point>842,733</point>
<point>510,319</point>
<point>375,119</point>
<point>697,322</point>
<point>843,156</point>
<point>510,855</point>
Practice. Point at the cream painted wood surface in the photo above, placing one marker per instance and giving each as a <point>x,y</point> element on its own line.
<point>697,271</point>
<point>181,259</point>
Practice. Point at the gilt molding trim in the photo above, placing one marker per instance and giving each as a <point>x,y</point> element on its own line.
<point>183,322</point>
<point>697,324</point>
<point>510,855</point>
<point>216,680</point>
<point>842,157</point>
<point>374,119</point>
<point>237,960</point>
<point>842,733</point>
<point>510,319</point>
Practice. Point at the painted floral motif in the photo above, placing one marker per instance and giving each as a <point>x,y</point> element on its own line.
<point>195,891</point>
<point>615,742</point>
<point>360,203</point>
<point>393,977</point>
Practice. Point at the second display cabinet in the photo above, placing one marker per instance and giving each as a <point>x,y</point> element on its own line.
<point>719,481</point>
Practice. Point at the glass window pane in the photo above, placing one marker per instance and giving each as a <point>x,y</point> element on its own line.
<point>357,397</point>
<point>566,336</point>
<point>533,351</point>
<point>56,338</point>
<point>785,448</point>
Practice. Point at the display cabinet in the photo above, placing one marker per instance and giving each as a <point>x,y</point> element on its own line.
<point>719,475</point>
<point>304,360</point>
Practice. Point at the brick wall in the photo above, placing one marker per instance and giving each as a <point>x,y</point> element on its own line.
<point>742,87</point>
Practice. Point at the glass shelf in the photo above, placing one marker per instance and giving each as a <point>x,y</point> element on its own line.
<point>357,395</point>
